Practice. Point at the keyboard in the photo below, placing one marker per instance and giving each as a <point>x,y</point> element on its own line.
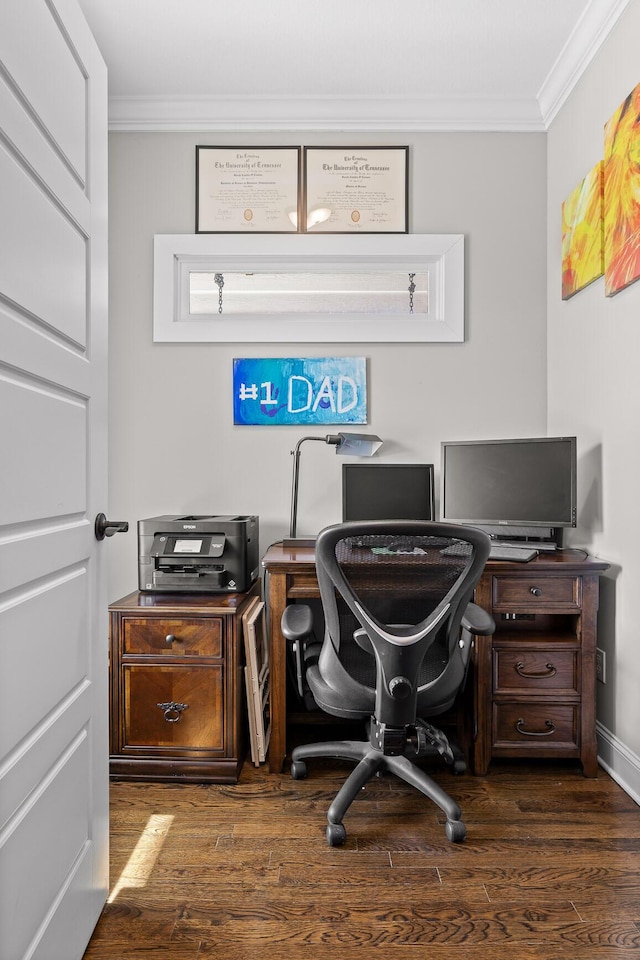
<point>539,545</point>
<point>461,549</point>
<point>518,554</point>
<point>397,544</point>
<point>499,551</point>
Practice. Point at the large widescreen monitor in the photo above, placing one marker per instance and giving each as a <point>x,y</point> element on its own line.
<point>510,483</point>
<point>387,491</point>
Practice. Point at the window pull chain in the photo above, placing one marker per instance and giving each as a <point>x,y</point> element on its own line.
<point>219,279</point>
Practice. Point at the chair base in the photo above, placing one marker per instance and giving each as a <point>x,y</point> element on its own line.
<point>371,761</point>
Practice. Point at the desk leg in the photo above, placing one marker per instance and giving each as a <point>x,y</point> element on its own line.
<point>278,672</point>
<point>483,685</point>
<point>589,621</point>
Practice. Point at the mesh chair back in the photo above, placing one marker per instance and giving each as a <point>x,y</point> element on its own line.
<point>394,594</point>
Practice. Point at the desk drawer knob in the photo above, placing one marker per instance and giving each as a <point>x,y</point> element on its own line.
<point>170,637</point>
<point>535,591</point>
<point>551,729</point>
<point>172,711</point>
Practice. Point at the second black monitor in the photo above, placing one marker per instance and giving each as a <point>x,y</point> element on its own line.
<point>387,491</point>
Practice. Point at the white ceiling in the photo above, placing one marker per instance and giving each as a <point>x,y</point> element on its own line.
<point>345,64</point>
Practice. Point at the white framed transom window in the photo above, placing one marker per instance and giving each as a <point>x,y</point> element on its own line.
<point>300,288</point>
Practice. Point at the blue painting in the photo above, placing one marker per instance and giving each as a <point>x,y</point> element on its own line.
<point>280,391</point>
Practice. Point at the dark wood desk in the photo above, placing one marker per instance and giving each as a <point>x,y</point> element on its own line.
<point>533,682</point>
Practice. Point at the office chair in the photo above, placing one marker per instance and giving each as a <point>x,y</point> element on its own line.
<point>399,620</point>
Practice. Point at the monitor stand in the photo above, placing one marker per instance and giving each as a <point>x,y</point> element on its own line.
<point>543,539</point>
<point>544,546</point>
<point>290,543</point>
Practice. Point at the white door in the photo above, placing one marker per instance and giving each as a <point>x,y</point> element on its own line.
<point>53,612</point>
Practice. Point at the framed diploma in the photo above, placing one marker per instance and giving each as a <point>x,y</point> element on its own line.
<point>247,189</point>
<point>356,189</point>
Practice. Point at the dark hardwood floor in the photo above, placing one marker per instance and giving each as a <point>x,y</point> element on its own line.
<point>550,869</point>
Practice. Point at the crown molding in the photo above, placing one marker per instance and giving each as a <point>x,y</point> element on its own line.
<point>378,114</point>
<point>585,41</point>
<point>389,114</point>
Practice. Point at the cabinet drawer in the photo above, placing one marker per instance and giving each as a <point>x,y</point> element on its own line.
<point>529,594</point>
<point>173,638</point>
<point>535,726</point>
<point>537,670</point>
<point>173,707</point>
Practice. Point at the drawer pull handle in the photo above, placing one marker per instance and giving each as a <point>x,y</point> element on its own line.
<point>172,710</point>
<point>535,591</point>
<point>533,733</point>
<point>543,674</point>
<point>170,637</point>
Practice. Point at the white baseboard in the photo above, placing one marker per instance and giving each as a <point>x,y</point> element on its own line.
<point>621,764</point>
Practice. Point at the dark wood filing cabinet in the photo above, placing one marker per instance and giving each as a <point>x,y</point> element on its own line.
<point>535,678</point>
<point>176,688</point>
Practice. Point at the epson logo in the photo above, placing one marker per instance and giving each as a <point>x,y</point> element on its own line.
<point>189,526</point>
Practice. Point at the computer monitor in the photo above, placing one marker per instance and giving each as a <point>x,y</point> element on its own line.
<point>387,491</point>
<point>510,486</point>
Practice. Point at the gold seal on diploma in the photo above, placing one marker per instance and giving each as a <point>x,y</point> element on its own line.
<point>248,214</point>
<point>355,215</point>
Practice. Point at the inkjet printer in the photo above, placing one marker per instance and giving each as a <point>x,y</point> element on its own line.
<point>197,554</point>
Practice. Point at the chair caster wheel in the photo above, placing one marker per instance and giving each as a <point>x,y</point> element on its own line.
<point>336,834</point>
<point>298,769</point>
<point>459,766</point>
<point>455,831</point>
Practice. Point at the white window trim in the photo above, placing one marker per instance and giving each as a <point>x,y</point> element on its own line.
<point>441,255</point>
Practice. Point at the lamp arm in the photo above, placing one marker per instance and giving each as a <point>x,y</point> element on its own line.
<point>330,438</point>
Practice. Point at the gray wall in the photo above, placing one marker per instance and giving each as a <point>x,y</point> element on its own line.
<point>594,345</point>
<point>173,446</point>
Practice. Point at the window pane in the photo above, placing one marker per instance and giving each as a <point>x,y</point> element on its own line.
<point>278,293</point>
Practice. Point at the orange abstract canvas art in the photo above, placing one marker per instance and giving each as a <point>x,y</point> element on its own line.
<point>582,234</point>
<point>622,195</point>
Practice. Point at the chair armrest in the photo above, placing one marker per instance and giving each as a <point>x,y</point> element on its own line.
<point>297,621</point>
<point>297,628</point>
<point>477,620</point>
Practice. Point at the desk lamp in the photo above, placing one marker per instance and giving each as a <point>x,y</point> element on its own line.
<point>346,444</point>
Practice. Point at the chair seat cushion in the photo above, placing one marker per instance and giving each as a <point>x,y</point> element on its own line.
<point>361,701</point>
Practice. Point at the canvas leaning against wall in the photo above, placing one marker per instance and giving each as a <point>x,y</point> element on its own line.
<point>583,234</point>
<point>622,195</point>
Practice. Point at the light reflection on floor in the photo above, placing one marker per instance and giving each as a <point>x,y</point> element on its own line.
<point>143,858</point>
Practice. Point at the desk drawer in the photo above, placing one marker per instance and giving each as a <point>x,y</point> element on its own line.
<point>535,726</point>
<point>536,670</point>
<point>200,637</point>
<point>173,708</point>
<point>302,585</point>
<point>532,593</point>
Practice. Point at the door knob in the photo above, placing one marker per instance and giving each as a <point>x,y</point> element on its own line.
<point>106,528</point>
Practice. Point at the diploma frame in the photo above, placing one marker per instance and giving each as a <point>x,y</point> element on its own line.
<point>248,189</point>
<point>356,189</point>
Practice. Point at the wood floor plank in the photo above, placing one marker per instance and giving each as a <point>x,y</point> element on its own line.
<point>272,908</point>
<point>373,934</point>
<point>498,951</point>
<point>616,904</point>
<point>143,949</point>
